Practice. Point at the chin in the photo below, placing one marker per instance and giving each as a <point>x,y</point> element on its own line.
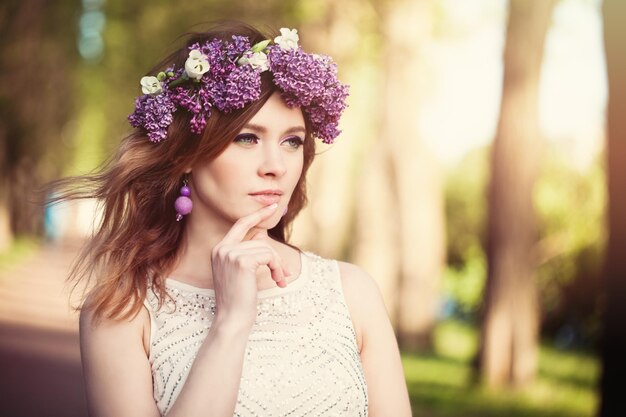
<point>268,224</point>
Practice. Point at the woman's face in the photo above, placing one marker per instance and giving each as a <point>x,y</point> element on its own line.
<point>261,166</point>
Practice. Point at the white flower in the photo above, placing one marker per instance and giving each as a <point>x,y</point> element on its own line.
<point>151,85</point>
<point>197,64</point>
<point>288,40</point>
<point>255,60</point>
<point>318,57</point>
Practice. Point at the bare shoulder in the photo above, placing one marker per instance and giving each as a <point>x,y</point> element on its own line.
<point>358,282</point>
<point>363,297</point>
<point>91,326</point>
<point>378,348</point>
<point>102,331</point>
<point>112,348</point>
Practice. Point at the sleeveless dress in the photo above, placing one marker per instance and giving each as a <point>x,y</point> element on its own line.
<point>302,346</point>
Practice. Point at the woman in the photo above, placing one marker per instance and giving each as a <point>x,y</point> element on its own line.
<point>200,307</point>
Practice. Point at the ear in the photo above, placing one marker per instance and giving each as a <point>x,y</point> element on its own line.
<point>188,170</point>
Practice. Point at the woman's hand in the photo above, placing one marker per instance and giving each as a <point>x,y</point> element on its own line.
<point>235,263</point>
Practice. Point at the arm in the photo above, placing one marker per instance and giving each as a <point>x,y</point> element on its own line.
<point>212,386</point>
<point>118,378</point>
<point>386,385</point>
<point>115,361</point>
<point>117,374</point>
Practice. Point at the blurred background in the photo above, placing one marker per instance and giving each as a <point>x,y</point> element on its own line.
<point>470,181</point>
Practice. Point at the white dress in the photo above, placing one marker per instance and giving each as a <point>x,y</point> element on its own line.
<point>302,346</point>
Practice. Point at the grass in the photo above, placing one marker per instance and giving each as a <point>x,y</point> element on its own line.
<point>20,249</point>
<point>440,383</point>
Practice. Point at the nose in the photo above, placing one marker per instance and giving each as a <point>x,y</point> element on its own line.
<point>273,163</point>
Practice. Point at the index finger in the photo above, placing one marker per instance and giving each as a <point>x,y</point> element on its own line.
<point>238,231</point>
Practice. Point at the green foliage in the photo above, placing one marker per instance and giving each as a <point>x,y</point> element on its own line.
<point>466,205</point>
<point>137,35</point>
<point>88,141</point>
<point>466,285</point>
<point>441,384</point>
<point>20,249</point>
<point>569,204</point>
<point>465,274</point>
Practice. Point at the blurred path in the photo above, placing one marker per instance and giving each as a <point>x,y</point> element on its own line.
<point>40,372</point>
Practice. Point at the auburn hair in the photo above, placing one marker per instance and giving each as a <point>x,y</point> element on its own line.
<point>137,239</point>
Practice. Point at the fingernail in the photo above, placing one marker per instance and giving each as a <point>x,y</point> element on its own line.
<point>273,206</point>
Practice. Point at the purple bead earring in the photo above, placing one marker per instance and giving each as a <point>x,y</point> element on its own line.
<point>183,203</point>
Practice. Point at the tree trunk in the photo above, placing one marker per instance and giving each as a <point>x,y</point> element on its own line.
<point>415,178</point>
<point>376,234</point>
<point>350,215</point>
<point>508,353</point>
<point>325,226</point>
<point>614,338</point>
<point>32,113</point>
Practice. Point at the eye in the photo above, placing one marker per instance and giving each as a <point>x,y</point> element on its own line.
<point>294,141</point>
<point>246,139</point>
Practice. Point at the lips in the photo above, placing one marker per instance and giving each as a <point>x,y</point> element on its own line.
<point>267,197</point>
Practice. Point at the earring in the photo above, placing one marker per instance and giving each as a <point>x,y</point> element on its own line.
<point>183,203</point>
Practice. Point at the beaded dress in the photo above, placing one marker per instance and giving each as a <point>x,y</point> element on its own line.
<point>301,358</point>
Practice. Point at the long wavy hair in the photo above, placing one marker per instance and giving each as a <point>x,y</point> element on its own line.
<point>137,239</point>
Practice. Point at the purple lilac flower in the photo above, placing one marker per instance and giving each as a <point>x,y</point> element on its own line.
<point>306,80</point>
<point>243,86</point>
<point>227,86</point>
<point>310,81</point>
<point>237,47</point>
<point>154,114</point>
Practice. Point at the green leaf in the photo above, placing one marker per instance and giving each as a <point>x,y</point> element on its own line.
<point>260,46</point>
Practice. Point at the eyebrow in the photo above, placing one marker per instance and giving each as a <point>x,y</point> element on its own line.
<point>263,129</point>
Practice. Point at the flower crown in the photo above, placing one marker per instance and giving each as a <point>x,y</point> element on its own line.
<point>226,75</point>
